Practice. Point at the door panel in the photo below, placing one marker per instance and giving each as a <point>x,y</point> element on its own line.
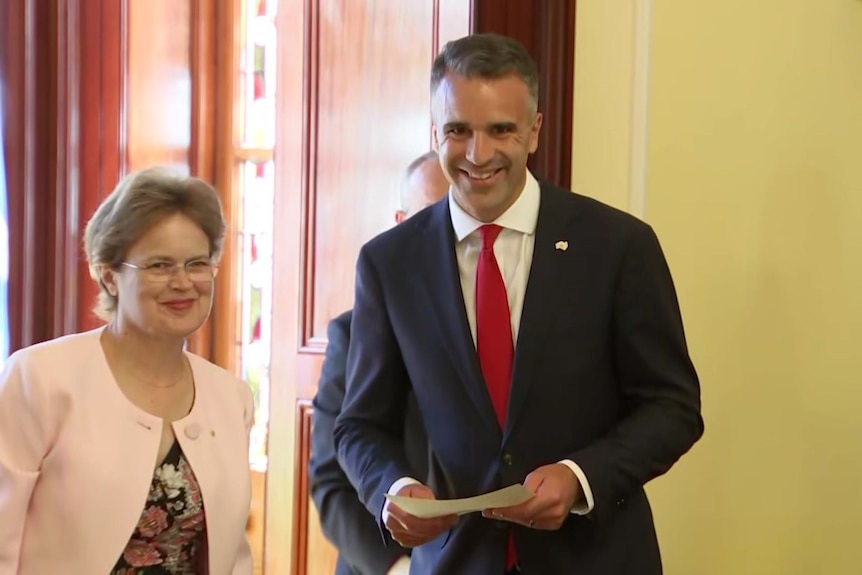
<point>370,78</point>
<point>159,84</point>
<point>354,102</point>
<point>546,28</point>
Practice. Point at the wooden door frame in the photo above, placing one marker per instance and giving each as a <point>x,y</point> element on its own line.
<point>63,75</point>
<point>547,29</point>
<point>27,72</point>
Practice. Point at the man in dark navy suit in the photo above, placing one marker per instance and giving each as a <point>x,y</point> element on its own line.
<point>540,334</point>
<point>344,520</point>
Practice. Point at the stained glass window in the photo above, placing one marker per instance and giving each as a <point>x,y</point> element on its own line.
<point>256,187</point>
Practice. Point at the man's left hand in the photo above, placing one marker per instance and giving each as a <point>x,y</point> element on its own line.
<point>556,490</point>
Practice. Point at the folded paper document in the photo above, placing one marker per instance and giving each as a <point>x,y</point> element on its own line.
<point>425,508</point>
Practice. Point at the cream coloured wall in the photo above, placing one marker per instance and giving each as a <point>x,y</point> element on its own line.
<point>602,115</point>
<point>753,182</point>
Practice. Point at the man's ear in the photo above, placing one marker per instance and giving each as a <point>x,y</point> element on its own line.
<point>400,216</point>
<point>534,132</point>
<point>435,145</point>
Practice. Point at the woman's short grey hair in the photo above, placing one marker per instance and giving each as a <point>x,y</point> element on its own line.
<point>141,200</point>
<point>489,57</point>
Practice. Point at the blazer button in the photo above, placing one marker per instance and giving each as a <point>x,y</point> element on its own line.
<point>507,459</point>
<point>193,430</point>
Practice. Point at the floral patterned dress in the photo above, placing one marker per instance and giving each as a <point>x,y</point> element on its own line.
<point>170,538</point>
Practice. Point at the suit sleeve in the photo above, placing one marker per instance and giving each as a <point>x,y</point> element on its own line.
<point>25,438</point>
<point>344,520</point>
<point>369,432</point>
<point>658,384</point>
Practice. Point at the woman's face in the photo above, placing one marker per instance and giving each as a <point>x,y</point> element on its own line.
<point>165,289</point>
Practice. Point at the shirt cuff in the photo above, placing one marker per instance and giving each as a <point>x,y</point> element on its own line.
<point>581,508</point>
<point>396,487</point>
<point>400,567</point>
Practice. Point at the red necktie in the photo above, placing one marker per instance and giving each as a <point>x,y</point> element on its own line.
<point>493,324</point>
<point>494,336</point>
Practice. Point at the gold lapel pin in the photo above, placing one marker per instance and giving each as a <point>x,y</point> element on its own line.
<point>562,246</point>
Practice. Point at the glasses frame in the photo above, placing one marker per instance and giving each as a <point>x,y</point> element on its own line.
<point>171,271</point>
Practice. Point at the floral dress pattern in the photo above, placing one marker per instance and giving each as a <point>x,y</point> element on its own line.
<point>170,538</point>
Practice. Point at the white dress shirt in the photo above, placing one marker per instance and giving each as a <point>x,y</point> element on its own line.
<point>513,250</point>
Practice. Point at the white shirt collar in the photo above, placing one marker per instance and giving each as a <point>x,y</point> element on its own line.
<point>521,216</point>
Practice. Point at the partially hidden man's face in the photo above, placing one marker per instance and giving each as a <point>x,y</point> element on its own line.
<point>484,132</point>
<point>425,186</point>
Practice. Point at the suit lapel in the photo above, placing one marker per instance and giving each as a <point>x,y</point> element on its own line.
<point>541,299</point>
<point>444,288</point>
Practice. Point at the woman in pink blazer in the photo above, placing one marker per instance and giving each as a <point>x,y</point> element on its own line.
<point>120,453</point>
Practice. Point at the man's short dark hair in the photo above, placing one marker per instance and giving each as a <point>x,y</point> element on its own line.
<point>486,56</point>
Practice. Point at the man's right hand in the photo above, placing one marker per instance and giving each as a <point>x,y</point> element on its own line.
<point>409,531</point>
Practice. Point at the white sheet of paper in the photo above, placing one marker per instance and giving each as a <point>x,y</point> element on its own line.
<point>425,508</point>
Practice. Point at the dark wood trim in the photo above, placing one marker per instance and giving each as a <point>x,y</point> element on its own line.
<point>280,542</point>
<point>435,49</point>
<point>224,319</point>
<point>63,68</point>
<point>310,114</point>
<point>39,202</point>
<point>67,125</point>
<point>311,75</point>
<point>99,133</point>
<point>113,79</point>
<point>435,29</point>
<point>547,29</point>
<point>89,137</point>
<point>304,411</point>
<point>203,129</point>
<point>204,88</point>
<point>555,42</point>
<point>26,27</point>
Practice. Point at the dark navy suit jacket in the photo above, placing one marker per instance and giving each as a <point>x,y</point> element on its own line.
<point>343,518</point>
<point>602,376</point>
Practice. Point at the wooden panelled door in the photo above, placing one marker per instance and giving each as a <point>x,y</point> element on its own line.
<point>353,105</point>
<point>352,111</point>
